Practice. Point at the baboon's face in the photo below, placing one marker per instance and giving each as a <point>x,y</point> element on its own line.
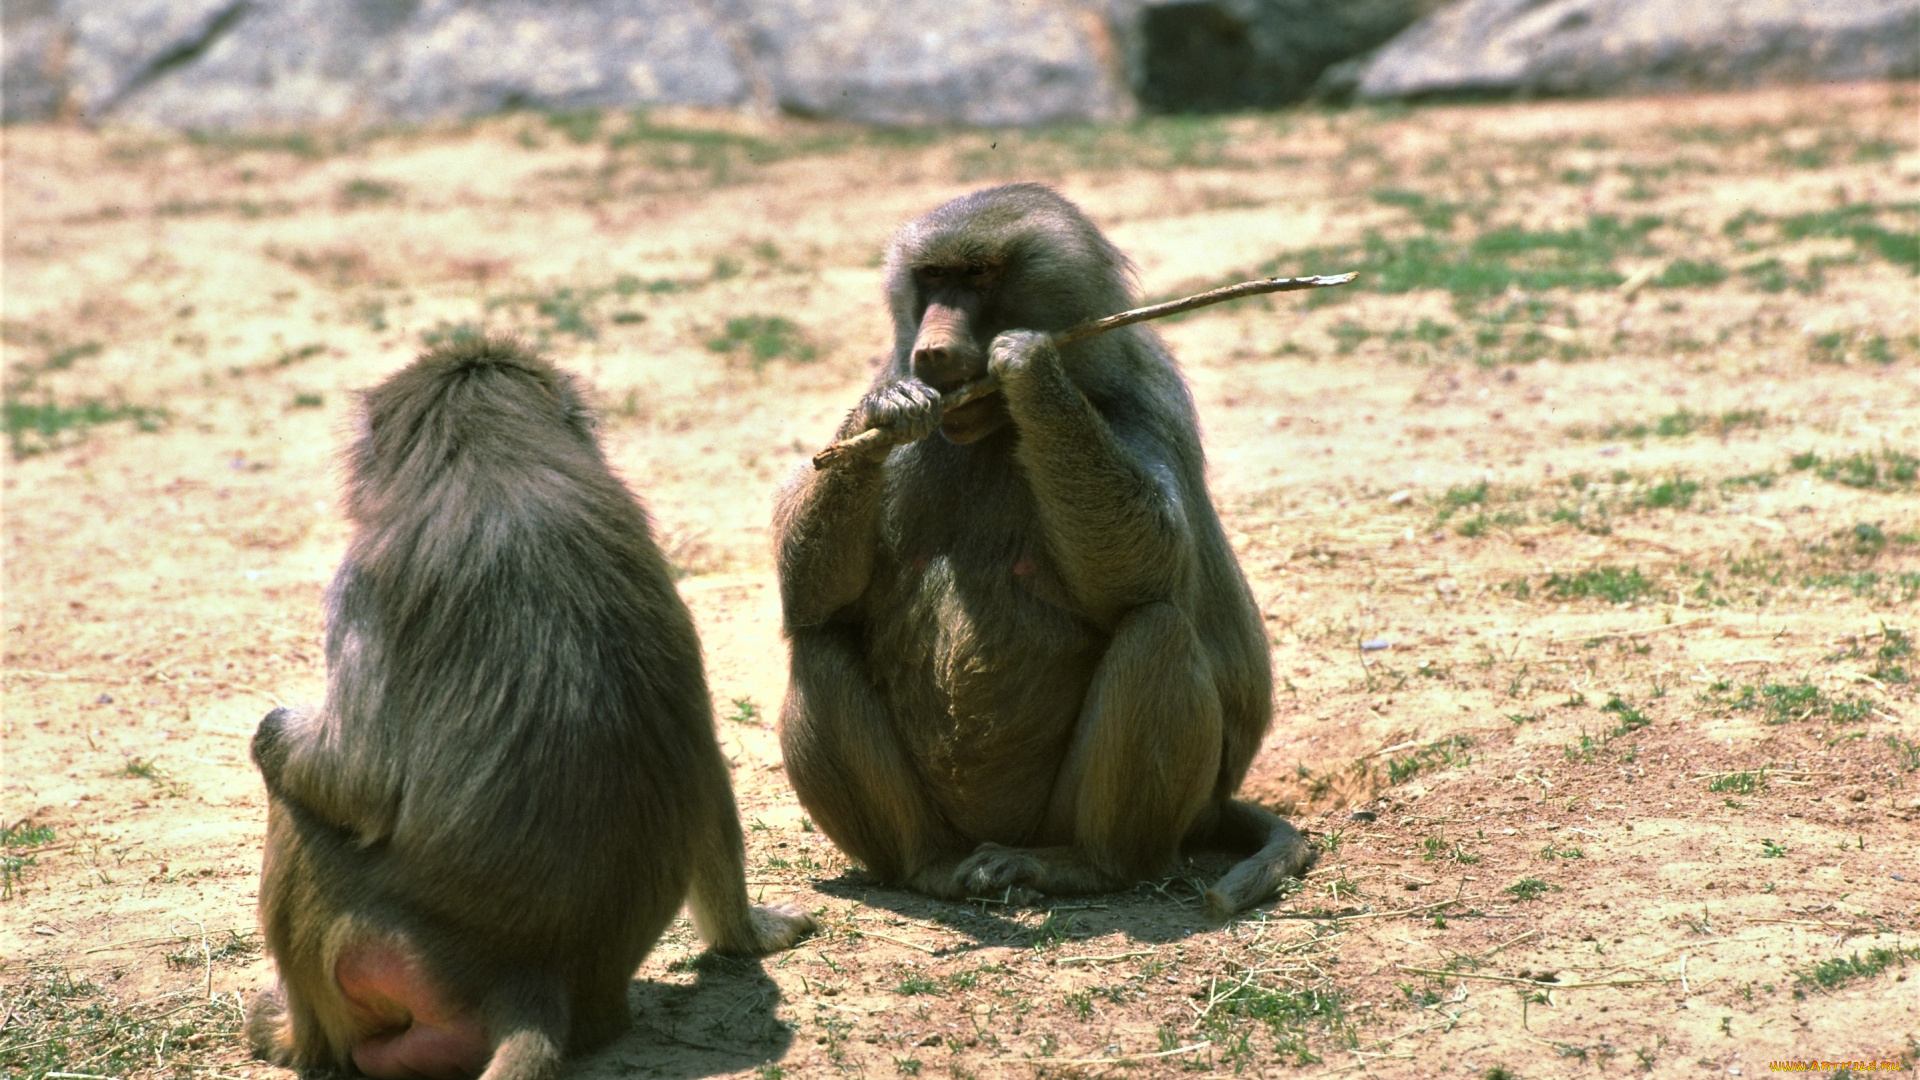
<point>951,347</point>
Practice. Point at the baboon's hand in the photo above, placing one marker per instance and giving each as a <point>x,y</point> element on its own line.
<point>1013,353</point>
<point>274,739</point>
<point>907,410</point>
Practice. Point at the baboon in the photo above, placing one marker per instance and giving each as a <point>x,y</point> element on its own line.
<point>1023,655</point>
<point>514,780</point>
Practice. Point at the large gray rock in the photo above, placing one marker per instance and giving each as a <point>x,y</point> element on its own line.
<point>921,62</point>
<point>33,81</point>
<point>367,61</point>
<point>1214,55</point>
<point>1552,47</point>
<point>251,64</point>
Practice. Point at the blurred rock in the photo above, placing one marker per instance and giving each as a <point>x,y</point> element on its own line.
<point>248,64</point>
<point>264,64</point>
<point>1567,47</point>
<point>1215,55</point>
<point>371,61</point>
<point>932,62</point>
<point>32,60</point>
<point>115,50</point>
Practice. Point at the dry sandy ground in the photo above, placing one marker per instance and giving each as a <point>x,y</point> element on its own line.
<point>1612,446</point>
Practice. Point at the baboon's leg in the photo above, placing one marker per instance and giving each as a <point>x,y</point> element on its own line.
<point>1141,768</point>
<point>717,894</point>
<point>848,768</point>
<point>301,1021</point>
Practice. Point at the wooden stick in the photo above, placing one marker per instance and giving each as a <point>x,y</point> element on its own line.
<point>857,445</point>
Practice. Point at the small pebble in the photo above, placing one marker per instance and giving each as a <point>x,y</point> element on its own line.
<point>1375,644</point>
<point>1364,815</point>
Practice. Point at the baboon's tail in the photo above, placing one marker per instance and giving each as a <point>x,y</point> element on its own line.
<point>717,895</point>
<point>1281,853</point>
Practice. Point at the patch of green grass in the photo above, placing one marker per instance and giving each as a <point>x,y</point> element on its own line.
<point>916,984</point>
<point>1154,142</point>
<point>1461,497</point>
<point>1348,336</point>
<point>1858,223</point>
<point>580,126</point>
<point>1884,470</point>
<point>1906,751</point>
<point>1448,752</point>
<point>745,711</point>
<point>1677,424</point>
<point>1631,719</point>
<point>1895,645</point>
<point>1287,1013</point>
<point>1688,274</point>
<point>1740,783</point>
<point>1609,583</point>
<point>1761,480</point>
<point>22,834</point>
<point>47,426</point>
<point>1772,275</point>
<point>361,191</point>
<point>307,401</point>
<point>1579,259</point>
<point>59,1023</point>
<point>1553,851</point>
<point>1436,216</point>
<point>568,312</point>
<point>299,144</point>
<point>764,337</point>
<point>1675,492</point>
<point>26,833</point>
<point>1827,975</point>
<point>63,358</point>
<point>294,356</point>
<point>13,869</point>
<point>233,946</point>
<point>1782,703</point>
<point>446,333</point>
<point>1530,889</point>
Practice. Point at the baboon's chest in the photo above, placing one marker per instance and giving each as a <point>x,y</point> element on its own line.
<point>984,667</point>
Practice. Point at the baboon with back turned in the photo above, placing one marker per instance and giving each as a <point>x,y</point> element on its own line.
<point>514,781</point>
<point>1023,655</point>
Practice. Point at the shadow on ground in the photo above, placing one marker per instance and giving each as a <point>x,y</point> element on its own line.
<point>722,1022</point>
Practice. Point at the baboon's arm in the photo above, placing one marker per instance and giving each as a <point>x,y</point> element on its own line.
<point>302,763</point>
<point>826,522</point>
<point>1110,503</point>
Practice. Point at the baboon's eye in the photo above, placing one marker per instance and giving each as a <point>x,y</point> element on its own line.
<point>975,269</point>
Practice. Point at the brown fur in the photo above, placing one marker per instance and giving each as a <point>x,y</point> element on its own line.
<point>1023,655</point>
<point>514,782</point>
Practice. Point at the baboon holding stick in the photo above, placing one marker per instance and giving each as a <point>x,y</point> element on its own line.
<point>514,781</point>
<point>1023,655</point>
